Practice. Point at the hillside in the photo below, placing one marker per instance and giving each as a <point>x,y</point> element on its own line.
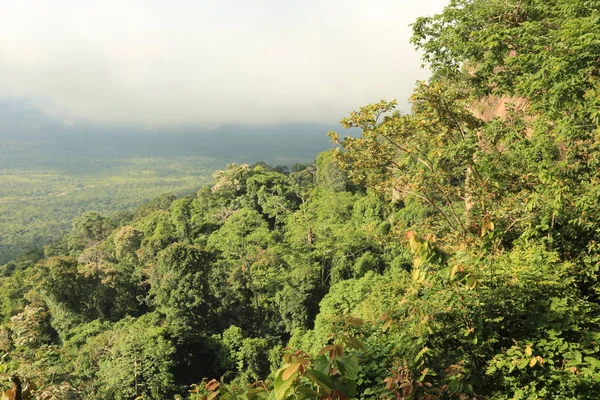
<point>441,254</point>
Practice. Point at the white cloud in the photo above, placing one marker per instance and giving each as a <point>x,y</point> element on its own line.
<point>159,62</point>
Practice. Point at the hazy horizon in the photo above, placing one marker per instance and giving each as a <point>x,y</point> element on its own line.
<point>206,63</point>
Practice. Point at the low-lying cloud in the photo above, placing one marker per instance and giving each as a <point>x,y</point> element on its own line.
<point>160,63</point>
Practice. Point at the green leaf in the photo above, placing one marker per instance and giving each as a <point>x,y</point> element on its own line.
<point>320,379</point>
<point>454,387</point>
<point>253,393</point>
<point>308,392</point>
<point>523,364</point>
<point>349,388</point>
<point>322,364</point>
<point>348,366</point>
<point>282,386</point>
<point>353,342</point>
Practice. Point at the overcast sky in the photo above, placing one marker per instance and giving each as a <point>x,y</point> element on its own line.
<point>160,63</point>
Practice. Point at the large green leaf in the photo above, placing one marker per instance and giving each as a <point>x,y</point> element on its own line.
<point>320,379</point>
<point>348,366</point>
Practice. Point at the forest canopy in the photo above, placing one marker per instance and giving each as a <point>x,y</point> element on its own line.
<point>448,253</point>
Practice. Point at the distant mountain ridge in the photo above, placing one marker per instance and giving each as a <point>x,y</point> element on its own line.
<point>20,121</point>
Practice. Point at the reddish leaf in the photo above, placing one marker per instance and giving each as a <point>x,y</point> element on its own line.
<point>289,371</point>
<point>213,385</point>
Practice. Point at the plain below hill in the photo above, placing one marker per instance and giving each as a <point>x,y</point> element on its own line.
<point>51,172</point>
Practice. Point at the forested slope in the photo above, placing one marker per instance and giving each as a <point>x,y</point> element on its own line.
<point>437,256</point>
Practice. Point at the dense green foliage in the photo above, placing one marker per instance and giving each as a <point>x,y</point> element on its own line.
<point>436,256</point>
<point>190,287</point>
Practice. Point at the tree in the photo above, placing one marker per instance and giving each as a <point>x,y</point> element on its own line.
<point>138,361</point>
<point>181,217</point>
<point>91,228</point>
<point>159,233</point>
<point>329,175</point>
<point>547,54</point>
<point>269,193</point>
<point>545,51</point>
<point>245,356</point>
<point>179,287</point>
<point>251,269</point>
<point>127,241</point>
<point>230,184</point>
<point>431,154</point>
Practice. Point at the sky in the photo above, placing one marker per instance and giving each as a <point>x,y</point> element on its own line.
<point>169,63</point>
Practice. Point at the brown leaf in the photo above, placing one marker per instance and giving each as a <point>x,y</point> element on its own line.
<point>213,385</point>
<point>289,371</point>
